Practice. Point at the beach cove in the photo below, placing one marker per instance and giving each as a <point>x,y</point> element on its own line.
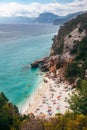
<point>50,98</point>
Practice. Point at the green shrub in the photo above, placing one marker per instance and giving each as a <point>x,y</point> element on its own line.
<point>72,70</point>
<point>82,50</point>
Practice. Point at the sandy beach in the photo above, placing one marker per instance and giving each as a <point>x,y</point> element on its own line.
<point>50,98</point>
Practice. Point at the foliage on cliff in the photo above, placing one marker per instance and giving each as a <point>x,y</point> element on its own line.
<point>58,41</point>
<point>69,121</point>
<point>73,47</point>
<point>77,68</point>
<point>78,101</point>
<point>9,115</point>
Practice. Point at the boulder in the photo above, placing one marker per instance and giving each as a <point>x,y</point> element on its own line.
<point>42,64</point>
<point>34,65</point>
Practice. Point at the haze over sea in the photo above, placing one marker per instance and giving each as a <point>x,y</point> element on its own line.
<point>20,45</point>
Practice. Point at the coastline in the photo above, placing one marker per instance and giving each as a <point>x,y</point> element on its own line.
<point>50,98</point>
<point>23,106</point>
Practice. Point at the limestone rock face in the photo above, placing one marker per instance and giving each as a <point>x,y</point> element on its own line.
<point>69,35</point>
<point>64,45</point>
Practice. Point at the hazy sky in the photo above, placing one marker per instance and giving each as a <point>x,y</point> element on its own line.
<point>40,1</point>
<point>33,8</point>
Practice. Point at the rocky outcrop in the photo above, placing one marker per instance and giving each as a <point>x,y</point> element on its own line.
<point>47,63</point>
<point>34,64</point>
<point>43,64</point>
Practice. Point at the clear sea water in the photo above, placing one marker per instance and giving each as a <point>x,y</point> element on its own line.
<point>20,45</point>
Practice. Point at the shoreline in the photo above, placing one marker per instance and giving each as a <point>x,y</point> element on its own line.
<point>49,99</point>
<point>23,106</point>
<point>32,98</point>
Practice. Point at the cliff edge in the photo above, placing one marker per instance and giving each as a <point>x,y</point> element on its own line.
<point>70,41</point>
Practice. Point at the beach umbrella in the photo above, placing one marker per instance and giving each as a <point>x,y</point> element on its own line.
<point>58,96</point>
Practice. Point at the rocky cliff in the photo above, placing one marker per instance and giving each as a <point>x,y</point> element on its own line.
<point>66,45</point>
<point>67,41</point>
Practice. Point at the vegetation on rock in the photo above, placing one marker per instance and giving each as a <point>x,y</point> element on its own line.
<point>80,21</point>
<point>72,71</point>
<point>78,101</point>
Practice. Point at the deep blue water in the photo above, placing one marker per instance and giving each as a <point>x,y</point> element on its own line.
<point>20,45</point>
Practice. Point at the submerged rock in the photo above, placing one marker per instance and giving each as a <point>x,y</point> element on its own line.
<point>34,65</point>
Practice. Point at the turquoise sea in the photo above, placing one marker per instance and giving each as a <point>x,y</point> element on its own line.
<point>20,45</point>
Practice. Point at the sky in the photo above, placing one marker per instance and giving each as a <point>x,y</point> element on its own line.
<point>38,1</point>
<point>32,8</point>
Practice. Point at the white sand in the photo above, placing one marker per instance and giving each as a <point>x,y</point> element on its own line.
<point>49,99</point>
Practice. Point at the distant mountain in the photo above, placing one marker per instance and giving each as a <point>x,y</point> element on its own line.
<point>66,18</point>
<point>42,18</point>
<point>47,18</point>
<point>16,20</point>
